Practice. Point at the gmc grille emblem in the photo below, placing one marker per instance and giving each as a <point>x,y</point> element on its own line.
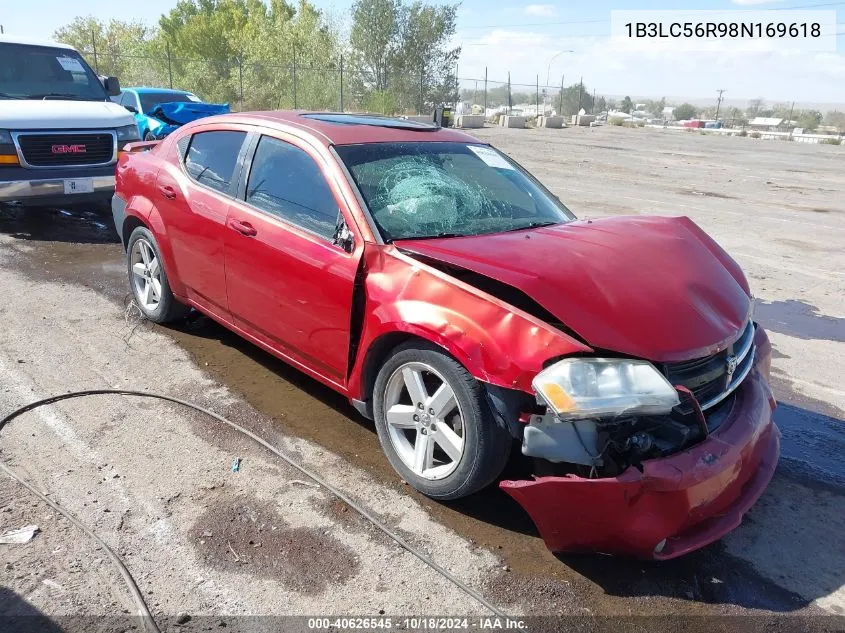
<point>69,149</point>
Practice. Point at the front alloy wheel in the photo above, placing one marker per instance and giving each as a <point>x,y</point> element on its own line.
<point>424,421</point>
<point>435,425</point>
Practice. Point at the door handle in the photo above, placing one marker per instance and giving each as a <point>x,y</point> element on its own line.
<point>244,228</point>
<point>167,191</point>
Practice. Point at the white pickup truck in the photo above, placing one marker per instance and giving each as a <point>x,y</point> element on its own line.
<point>59,132</point>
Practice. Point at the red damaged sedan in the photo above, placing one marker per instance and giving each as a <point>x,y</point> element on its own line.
<point>460,305</point>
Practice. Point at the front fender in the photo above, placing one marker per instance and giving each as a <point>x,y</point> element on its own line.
<point>496,342</point>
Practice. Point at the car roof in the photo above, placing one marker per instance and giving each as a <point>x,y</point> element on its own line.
<point>334,128</point>
<point>146,89</point>
<point>9,39</point>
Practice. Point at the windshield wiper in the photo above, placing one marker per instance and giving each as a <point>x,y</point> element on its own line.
<point>530,225</point>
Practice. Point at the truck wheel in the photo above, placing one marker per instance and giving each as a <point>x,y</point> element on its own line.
<point>435,425</point>
<point>148,279</point>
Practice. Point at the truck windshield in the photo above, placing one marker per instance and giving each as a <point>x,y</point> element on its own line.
<point>43,72</point>
<point>435,189</point>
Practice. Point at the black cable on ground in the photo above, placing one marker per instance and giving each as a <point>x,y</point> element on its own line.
<point>143,610</point>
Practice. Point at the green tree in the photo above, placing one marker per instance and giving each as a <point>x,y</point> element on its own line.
<point>684,112</point>
<point>809,119</point>
<point>113,48</point>
<point>375,39</point>
<point>655,108</point>
<point>835,119</point>
<point>627,105</point>
<point>404,49</point>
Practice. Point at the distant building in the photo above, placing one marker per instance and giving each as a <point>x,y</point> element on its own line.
<point>765,123</point>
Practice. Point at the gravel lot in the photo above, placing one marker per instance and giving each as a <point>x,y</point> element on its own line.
<point>156,482</point>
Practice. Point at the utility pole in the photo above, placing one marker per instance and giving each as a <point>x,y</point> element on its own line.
<point>485,91</point>
<point>560,110</point>
<point>510,104</point>
<point>169,66</point>
<point>719,102</point>
<point>1,29</point>
<point>580,93</point>
<point>537,101</point>
<point>341,82</point>
<point>792,107</point>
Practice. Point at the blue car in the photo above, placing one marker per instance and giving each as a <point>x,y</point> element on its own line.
<point>159,111</point>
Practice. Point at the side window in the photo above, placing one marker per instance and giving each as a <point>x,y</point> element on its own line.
<point>127,99</point>
<point>212,156</point>
<point>286,182</point>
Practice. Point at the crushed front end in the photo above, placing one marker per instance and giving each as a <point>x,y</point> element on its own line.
<point>656,483</point>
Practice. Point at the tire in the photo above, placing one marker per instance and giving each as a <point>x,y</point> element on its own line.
<point>159,306</point>
<point>485,446</point>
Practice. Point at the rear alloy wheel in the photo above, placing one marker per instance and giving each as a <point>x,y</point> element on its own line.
<point>148,279</point>
<point>435,426</point>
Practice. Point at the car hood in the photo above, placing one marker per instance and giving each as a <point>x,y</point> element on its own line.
<point>59,114</point>
<point>652,287</point>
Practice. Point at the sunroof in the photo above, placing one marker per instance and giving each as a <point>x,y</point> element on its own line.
<point>369,119</point>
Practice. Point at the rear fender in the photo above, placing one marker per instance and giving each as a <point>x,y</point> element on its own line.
<point>497,343</point>
<point>143,210</point>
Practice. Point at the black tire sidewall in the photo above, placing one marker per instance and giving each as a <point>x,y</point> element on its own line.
<point>164,312</point>
<point>484,455</point>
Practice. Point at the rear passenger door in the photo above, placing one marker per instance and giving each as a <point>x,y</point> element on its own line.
<point>289,284</point>
<point>193,199</point>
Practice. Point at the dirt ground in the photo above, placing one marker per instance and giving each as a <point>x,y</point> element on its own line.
<point>157,482</point>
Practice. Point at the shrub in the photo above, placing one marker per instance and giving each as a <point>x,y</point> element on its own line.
<point>754,135</point>
<point>742,133</point>
<point>832,141</point>
<point>617,120</point>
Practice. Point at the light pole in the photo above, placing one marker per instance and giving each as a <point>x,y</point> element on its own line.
<point>548,73</point>
<point>549,69</point>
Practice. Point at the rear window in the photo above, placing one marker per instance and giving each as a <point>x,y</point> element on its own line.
<point>212,157</point>
<point>149,100</point>
<point>39,72</point>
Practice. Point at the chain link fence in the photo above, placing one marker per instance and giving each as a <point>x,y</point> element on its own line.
<point>334,86</point>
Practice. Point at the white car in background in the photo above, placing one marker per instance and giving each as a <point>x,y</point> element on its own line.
<point>60,134</point>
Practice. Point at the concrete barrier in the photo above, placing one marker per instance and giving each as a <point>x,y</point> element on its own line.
<point>550,121</point>
<point>583,119</point>
<point>513,121</point>
<point>470,121</point>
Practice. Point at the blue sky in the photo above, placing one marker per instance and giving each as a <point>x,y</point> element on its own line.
<point>526,38</point>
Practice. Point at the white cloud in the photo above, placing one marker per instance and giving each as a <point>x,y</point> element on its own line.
<point>541,10</point>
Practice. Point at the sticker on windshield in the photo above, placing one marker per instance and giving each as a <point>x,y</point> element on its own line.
<point>490,157</point>
<point>70,64</point>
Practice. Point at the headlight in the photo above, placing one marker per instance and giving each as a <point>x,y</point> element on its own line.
<point>594,387</point>
<point>5,137</point>
<point>128,133</point>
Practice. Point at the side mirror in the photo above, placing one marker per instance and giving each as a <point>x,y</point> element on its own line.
<point>132,109</point>
<point>112,86</point>
<point>343,236</point>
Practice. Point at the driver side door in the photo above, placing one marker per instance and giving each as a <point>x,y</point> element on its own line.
<point>289,284</point>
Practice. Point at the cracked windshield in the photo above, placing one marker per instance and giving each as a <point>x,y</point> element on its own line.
<point>433,189</point>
